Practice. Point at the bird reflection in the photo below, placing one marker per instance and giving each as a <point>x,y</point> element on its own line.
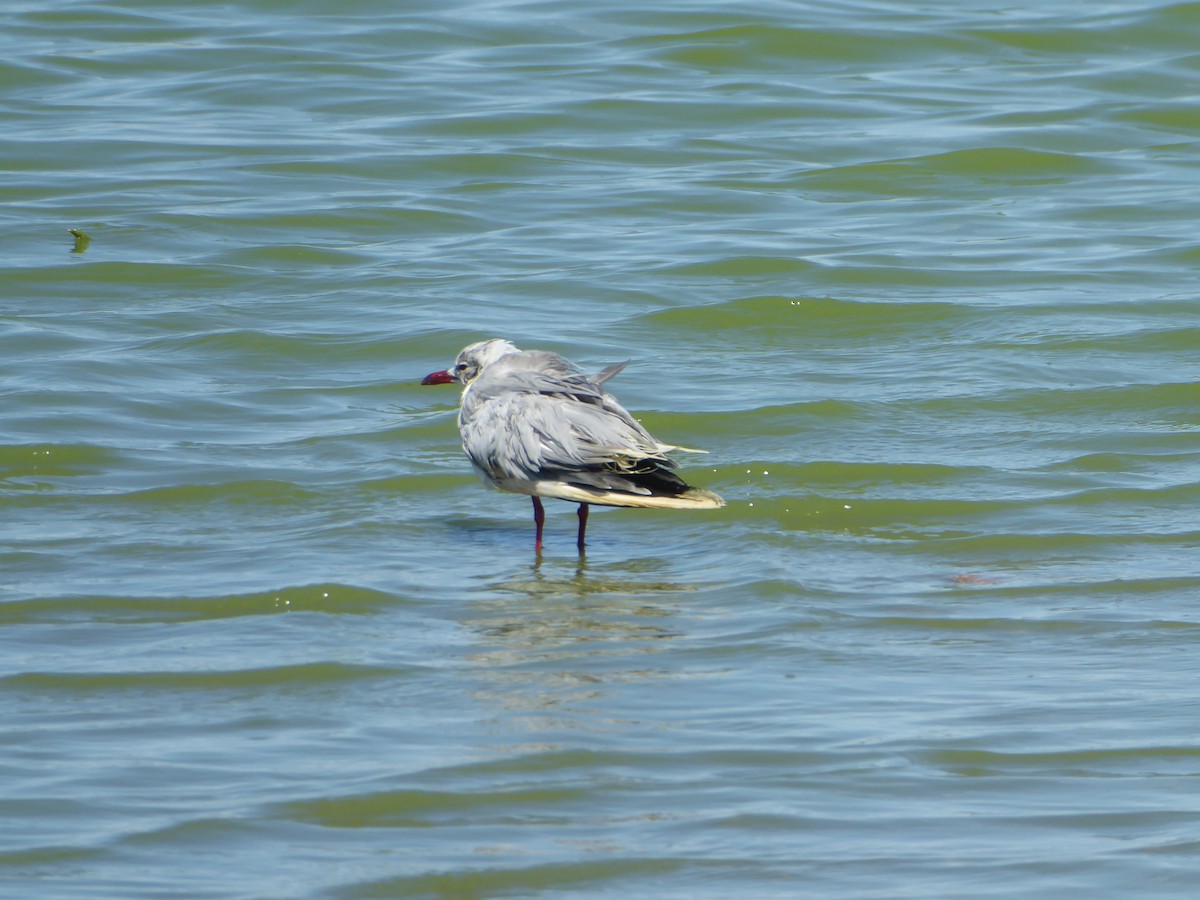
<point>553,643</point>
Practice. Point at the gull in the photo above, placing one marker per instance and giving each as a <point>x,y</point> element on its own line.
<point>534,423</point>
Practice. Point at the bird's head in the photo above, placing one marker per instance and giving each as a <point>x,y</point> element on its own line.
<point>471,361</point>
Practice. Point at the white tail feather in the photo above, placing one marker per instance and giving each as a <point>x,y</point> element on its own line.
<point>692,498</point>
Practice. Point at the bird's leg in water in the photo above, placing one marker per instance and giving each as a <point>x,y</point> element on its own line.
<point>583,514</point>
<point>539,519</point>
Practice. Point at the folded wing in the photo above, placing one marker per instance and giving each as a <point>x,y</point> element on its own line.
<point>537,418</point>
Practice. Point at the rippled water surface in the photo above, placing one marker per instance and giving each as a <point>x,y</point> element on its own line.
<point>921,277</point>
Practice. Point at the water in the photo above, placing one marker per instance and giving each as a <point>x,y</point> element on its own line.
<point>921,278</point>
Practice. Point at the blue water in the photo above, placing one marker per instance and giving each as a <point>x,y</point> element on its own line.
<point>919,278</point>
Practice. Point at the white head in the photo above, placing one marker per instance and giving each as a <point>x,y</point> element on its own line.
<point>471,361</point>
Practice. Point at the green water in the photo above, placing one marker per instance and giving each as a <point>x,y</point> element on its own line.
<point>920,277</point>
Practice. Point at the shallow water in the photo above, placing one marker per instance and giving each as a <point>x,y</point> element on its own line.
<point>920,278</point>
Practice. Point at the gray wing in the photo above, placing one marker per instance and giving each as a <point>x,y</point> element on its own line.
<point>543,419</point>
<point>548,373</point>
<point>609,371</point>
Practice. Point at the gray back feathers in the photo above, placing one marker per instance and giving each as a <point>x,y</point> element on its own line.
<point>525,414</point>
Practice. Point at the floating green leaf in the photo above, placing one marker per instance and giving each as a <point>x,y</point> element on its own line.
<point>82,239</point>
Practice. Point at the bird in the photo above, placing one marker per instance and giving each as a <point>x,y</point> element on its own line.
<point>533,422</point>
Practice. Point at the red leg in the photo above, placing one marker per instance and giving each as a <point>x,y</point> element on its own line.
<point>583,516</point>
<point>539,519</point>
